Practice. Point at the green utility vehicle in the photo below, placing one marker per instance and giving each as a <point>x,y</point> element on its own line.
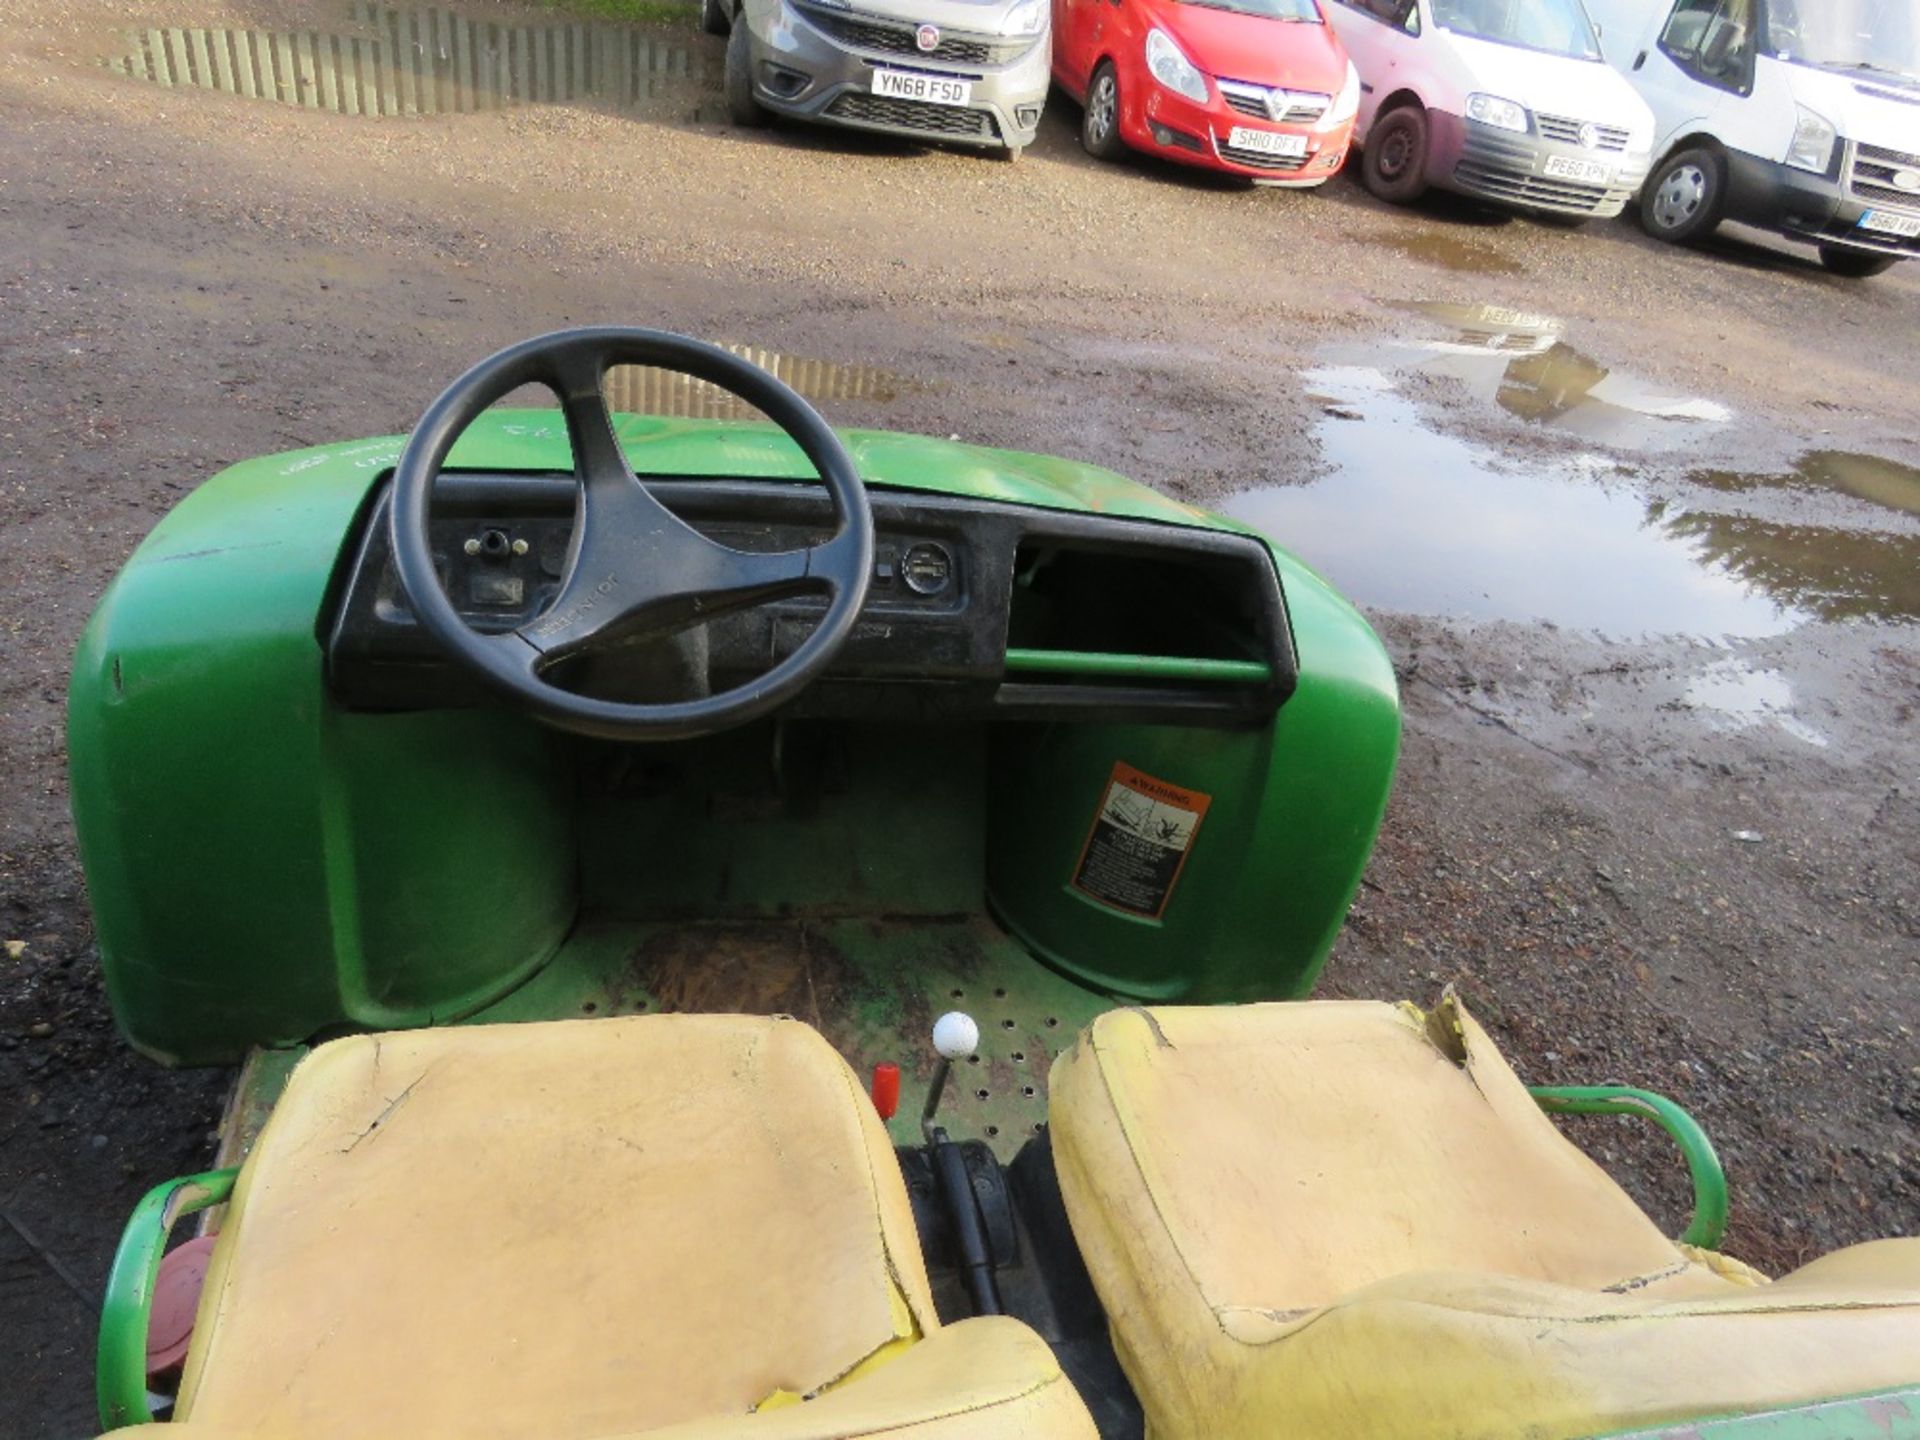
<point>572,823</point>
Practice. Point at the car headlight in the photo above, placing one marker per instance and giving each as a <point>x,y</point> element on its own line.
<point>1812,145</point>
<point>1347,103</point>
<point>1501,114</point>
<point>1172,69</point>
<point>1027,19</point>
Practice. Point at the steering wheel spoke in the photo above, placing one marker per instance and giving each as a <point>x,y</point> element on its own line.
<point>634,566</point>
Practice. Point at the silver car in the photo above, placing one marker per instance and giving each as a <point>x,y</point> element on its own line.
<point>962,72</point>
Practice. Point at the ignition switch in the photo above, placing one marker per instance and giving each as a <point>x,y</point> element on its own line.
<point>494,544</point>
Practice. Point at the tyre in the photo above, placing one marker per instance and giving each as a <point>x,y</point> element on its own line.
<point>1100,121</point>
<point>1683,197</point>
<point>742,107</point>
<point>1394,163</point>
<point>715,18</point>
<point>1855,264</point>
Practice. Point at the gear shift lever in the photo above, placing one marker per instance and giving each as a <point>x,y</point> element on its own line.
<point>955,1036</point>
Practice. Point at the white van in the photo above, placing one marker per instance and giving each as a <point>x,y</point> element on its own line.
<point>1802,116</point>
<point>1509,100</point>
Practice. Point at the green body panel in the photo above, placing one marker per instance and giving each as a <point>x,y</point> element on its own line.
<point>1174,667</point>
<point>1709,1224</point>
<point>1883,1415</point>
<point>266,867</point>
<point>1294,808</point>
<point>120,1370</point>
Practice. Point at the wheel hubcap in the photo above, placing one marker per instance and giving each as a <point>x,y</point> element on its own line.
<point>1395,154</point>
<point>1680,196</point>
<point>1100,108</point>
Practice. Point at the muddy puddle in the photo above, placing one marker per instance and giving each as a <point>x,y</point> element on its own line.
<point>1735,695</point>
<point>1448,251</point>
<point>1416,520</point>
<point>381,61</point>
<point>1519,361</point>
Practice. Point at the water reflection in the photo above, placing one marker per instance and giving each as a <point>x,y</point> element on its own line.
<point>643,390</point>
<point>1517,360</point>
<point>1835,574</point>
<point>1865,477</point>
<point>1414,520</point>
<point>401,61</point>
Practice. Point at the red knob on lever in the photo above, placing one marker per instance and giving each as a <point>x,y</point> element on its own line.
<point>886,1088</point>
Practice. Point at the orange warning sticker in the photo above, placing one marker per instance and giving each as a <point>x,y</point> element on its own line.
<point>1139,842</point>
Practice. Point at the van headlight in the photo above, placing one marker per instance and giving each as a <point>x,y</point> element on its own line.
<point>1812,145</point>
<point>1347,103</point>
<point>1029,18</point>
<point>1172,69</point>
<point>1501,114</point>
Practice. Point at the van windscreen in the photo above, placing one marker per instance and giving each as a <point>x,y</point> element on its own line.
<point>1559,27</point>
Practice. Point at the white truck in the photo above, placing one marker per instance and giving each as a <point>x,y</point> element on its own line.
<point>1799,116</point>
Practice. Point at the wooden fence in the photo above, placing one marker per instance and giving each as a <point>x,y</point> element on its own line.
<point>415,62</point>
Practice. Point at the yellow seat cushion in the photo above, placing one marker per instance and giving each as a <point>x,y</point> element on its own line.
<point>1336,1219</point>
<point>573,1229</point>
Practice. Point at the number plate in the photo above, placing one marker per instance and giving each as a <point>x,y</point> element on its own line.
<point>931,89</point>
<point>1566,167</point>
<point>1267,142</point>
<point>1889,222</point>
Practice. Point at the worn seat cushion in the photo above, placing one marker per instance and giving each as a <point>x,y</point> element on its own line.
<point>574,1229</point>
<point>1350,1218</point>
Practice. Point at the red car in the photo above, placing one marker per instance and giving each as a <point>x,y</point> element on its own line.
<point>1261,88</point>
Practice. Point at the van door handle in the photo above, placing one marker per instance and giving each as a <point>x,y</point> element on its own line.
<point>1639,59</point>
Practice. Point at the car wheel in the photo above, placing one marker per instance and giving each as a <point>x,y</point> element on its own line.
<point>1394,163</point>
<point>715,18</point>
<point>1682,199</point>
<point>1100,121</point>
<point>742,107</point>
<point>1855,264</point>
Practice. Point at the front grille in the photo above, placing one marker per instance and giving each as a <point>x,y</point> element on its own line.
<point>865,109</point>
<point>1298,107</point>
<point>869,32</point>
<point>1874,167</point>
<point>1567,132</point>
<point>1257,159</point>
<point>1529,189</point>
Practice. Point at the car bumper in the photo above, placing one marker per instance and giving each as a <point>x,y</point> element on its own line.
<point>801,70</point>
<point>1191,133</point>
<point>1494,164</point>
<point>1824,209</point>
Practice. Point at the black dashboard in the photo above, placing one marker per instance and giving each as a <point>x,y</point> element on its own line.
<point>976,609</point>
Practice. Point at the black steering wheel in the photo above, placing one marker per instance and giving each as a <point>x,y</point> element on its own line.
<point>633,566</point>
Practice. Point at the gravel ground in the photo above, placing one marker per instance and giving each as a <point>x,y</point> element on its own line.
<point>189,279</point>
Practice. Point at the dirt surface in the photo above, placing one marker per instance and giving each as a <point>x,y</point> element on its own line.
<point>1670,853</point>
